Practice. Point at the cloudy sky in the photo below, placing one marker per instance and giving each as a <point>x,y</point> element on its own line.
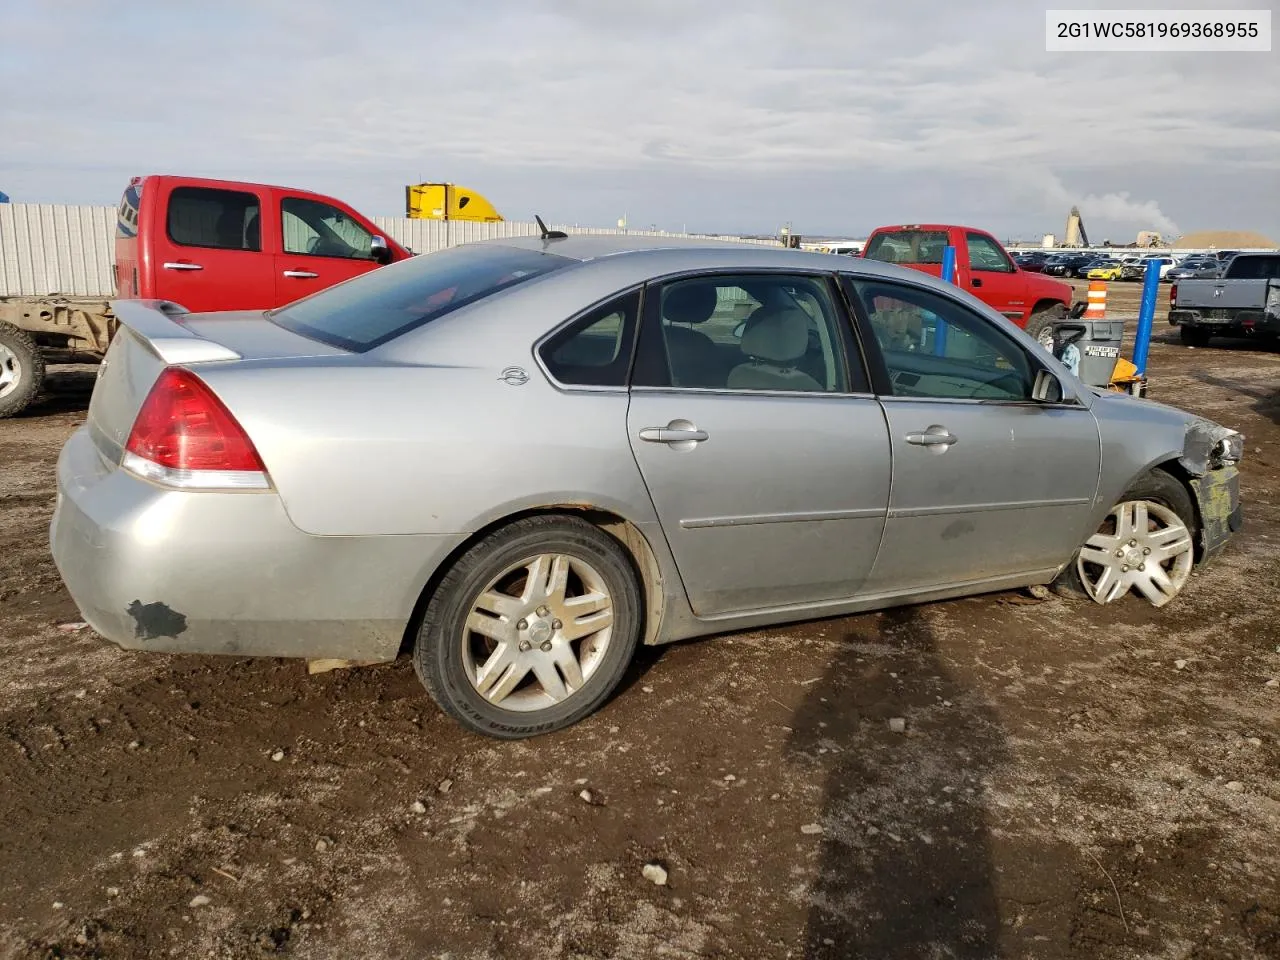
<point>722,115</point>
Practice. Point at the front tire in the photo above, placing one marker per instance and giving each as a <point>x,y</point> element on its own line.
<point>1193,336</point>
<point>531,629</point>
<point>21,370</point>
<point>1041,322</point>
<point>1145,544</point>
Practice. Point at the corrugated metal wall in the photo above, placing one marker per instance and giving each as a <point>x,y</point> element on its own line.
<point>48,249</point>
<point>427,236</point>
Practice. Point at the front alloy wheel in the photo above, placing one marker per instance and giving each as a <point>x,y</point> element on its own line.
<point>1142,545</point>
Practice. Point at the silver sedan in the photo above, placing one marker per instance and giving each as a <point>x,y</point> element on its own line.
<point>519,459</point>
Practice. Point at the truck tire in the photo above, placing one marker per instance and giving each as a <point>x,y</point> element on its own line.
<point>21,370</point>
<point>1040,323</point>
<point>1193,336</point>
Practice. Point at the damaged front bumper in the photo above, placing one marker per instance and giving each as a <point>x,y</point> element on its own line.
<point>1210,455</point>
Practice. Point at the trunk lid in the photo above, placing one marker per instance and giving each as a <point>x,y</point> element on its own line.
<point>155,334</point>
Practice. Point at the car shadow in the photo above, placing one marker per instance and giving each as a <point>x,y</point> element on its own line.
<point>904,868</point>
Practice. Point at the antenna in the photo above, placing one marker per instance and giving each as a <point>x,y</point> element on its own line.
<point>547,232</point>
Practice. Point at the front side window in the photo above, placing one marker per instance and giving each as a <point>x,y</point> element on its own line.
<point>768,332</point>
<point>317,229</point>
<point>596,350</point>
<point>209,217</point>
<point>985,254</point>
<point>934,347</point>
<point>363,313</point>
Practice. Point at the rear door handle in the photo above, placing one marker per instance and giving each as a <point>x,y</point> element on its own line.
<point>301,274</point>
<point>976,281</point>
<point>181,265</point>
<point>669,435</point>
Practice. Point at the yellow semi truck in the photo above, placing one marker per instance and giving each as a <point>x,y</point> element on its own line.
<point>447,201</point>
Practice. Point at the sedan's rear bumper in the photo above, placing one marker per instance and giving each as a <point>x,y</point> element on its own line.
<point>227,573</point>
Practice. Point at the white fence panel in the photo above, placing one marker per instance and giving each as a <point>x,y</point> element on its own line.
<point>48,248</point>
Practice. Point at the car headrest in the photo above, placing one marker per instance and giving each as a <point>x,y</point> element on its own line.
<point>776,335</point>
<point>690,303</point>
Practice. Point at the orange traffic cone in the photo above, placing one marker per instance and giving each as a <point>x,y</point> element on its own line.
<point>1097,300</point>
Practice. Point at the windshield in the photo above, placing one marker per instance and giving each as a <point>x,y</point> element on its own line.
<point>907,246</point>
<point>371,309</point>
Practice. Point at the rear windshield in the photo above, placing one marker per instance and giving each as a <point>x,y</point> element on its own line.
<point>907,246</point>
<point>379,306</point>
<point>1254,268</point>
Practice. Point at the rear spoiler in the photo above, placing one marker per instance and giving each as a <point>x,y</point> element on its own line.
<point>157,323</point>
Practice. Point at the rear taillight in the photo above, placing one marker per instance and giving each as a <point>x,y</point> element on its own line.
<point>1173,295</point>
<point>184,436</point>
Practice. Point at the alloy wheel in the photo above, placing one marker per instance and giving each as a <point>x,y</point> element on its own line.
<point>1142,545</point>
<point>10,371</point>
<point>537,632</point>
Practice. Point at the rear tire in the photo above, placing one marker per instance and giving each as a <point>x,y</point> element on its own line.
<point>1194,336</point>
<point>1040,324</point>
<point>21,370</point>
<point>543,656</point>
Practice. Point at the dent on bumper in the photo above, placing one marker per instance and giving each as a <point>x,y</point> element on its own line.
<point>226,573</point>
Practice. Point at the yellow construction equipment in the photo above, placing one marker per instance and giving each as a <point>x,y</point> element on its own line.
<point>447,201</point>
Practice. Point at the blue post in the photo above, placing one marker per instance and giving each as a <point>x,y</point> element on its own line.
<point>948,276</point>
<point>1146,316</point>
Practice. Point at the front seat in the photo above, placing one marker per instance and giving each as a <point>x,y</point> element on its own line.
<point>774,340</point>
<point>230,229</point>
<point>694,357</point>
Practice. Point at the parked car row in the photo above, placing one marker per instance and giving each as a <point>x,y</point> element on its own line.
<point>1092,266</point>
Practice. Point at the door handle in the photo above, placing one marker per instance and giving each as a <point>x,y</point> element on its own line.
<point>669,435</point>
<point>181,265</point>
<point>976,281</point>
<point>301,274</point>
<point>937,437</point>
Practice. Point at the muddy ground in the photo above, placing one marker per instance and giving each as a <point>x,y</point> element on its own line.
<point>1074,781</point>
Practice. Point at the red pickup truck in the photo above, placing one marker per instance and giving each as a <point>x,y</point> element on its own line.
<point>983,267</point>
<point>218,245</point>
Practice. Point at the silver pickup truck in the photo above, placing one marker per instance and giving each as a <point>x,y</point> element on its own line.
<point>1243,302</point>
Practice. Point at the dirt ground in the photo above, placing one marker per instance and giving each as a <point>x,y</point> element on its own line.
<point>1073,780</point>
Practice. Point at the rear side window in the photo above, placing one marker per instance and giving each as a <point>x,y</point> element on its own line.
<point>371,309</point>
<point>1254,268</point>
<point>220,219</point>
<point>596,350</point>
<point>907,246</point>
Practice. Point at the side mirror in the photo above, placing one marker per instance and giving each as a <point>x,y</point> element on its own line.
<point>1047,388</point>
<point>379,250</point>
